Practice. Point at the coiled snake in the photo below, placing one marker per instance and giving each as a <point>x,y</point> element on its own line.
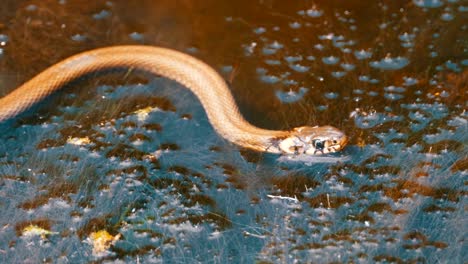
<point>198,77</point>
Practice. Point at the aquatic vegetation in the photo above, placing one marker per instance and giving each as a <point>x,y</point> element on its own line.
<point>133,164</point>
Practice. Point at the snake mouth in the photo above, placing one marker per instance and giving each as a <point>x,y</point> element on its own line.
<point>339,146</point>
<point>332,146</point>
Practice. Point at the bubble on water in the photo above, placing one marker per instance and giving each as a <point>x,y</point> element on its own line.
<point>409,81</point>
<point>319,46</point>
<point>338,41</point>
<point>330,60</point>
<point>364,78</point>
<point>339,44</point>
<point>407,40</point>
<point>276,45</point>
<point>452,66</point>
<point>389,63</point>
<point>310,58</point>
<point>295,25</point>
<point>406,37</point>
<point>291,96</point>
<point>373,93</point>
<point>393,96</point>
<point>346,50</point>
<point>269,78</point>
<point>314,12</point>
<point>331,95</point>
<point>102,15</point>
<point>192,50</point>
<point>362,54</point>
<point>388,109</point>
<point>329,36</point>
<point>78,37</point>
<point>348,66</point>
<point>268,51</point>
<point>428,3</point>
<point>395,89</point>
<point>136,36</point>
<point>444,94</point>
<point>447,16</point>
<point>259,30</point>
<point>338,74</point>
<point>299,68</point>
<point>288,82</point>
<point>322,107</point>
<point>292,59</point>
<point>407,44</point>
<point>273,62</point>
<point>432,82</point>
<point>358,91</point>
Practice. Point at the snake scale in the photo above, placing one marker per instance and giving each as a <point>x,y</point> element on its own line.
<point>209,87</point>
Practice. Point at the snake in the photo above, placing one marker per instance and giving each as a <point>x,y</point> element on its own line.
<point>197,76</point>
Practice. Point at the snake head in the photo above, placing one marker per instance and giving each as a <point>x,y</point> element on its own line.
<point>314,140</point>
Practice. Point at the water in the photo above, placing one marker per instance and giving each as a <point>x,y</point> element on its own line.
<point>135,155</point>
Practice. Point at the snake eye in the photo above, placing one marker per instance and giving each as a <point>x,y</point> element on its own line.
<point>318,144</point>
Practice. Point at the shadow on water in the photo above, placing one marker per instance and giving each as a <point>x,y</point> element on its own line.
<point>127,167</point>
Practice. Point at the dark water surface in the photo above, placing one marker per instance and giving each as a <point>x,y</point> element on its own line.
<point>134,157</point>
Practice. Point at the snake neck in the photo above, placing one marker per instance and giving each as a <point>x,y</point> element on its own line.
<point>252,137</point>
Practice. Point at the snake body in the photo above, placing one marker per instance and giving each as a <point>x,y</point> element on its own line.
<point>209,87</point>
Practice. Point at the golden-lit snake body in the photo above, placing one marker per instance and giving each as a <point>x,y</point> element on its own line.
<point>209,87</point>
